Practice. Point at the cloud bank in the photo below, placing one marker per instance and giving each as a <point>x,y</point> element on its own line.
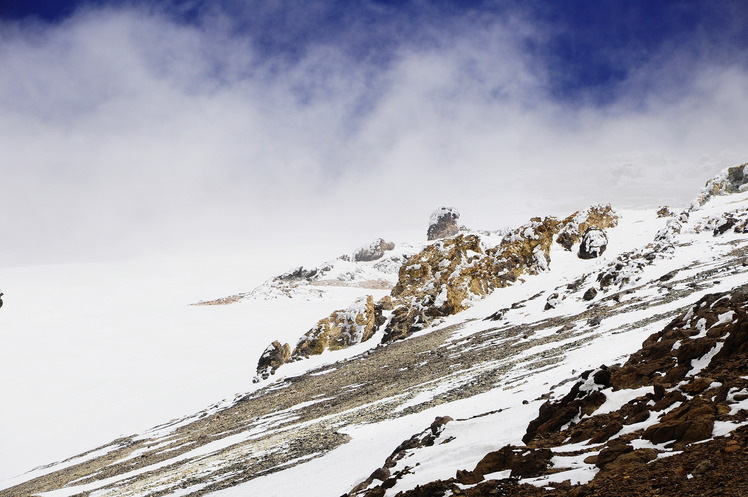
<point>127,131</point>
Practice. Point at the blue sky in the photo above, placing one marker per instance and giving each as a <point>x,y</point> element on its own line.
<point>131,126</point>
<point>587,47</point>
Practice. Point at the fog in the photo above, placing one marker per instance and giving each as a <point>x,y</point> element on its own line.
<point>125,133</point>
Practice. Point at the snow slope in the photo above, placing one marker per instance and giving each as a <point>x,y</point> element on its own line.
<point>127,351</point>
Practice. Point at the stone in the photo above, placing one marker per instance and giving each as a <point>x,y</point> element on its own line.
<point>443,223</point>
<point>374,251</point>
<point>593,244</point>
<point>590,294</point>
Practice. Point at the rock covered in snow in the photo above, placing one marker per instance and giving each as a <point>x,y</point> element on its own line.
<point>594,242</point>
<point>731,180</point>
<point>443,223</point>
<point>374,251</point>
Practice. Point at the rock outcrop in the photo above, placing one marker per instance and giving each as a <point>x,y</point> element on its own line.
<point>341,329</point>
<point>395,467</point>
<point>573,227</point>
<point>447,276</point>
<point>443,223</point>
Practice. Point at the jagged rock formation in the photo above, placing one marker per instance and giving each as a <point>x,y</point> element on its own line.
<point>342,329</point>
<point>448,275</point>
<point>443,223</point>
<point>594,242</point>
<point>374,251</point>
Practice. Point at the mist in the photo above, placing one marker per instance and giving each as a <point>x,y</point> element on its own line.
<point>125,132</point>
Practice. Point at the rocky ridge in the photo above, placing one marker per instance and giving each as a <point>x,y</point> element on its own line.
<point>448,276</point>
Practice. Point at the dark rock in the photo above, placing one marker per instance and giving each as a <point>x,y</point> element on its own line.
<point>468,477</point>
<point>594,242</point>
<point>590,294</point>
<point>443,223</point>
<point>380,474</point>
<point>552,301</point>
<point>631,461</point>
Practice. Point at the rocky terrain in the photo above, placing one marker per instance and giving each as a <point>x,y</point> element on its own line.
<point>573,356</point>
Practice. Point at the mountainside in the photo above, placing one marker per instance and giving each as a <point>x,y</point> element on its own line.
<point>567,356</point>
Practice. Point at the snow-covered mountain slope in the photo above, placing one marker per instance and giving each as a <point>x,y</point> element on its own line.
<point>380,418</point>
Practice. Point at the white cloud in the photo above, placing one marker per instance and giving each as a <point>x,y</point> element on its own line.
<point>122,132</point>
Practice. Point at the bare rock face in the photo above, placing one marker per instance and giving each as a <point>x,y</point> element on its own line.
<point>374,251</point>
<point>342,328</point>
<point>594,242</point>
<point>443,223</point>
<point>274,357</point>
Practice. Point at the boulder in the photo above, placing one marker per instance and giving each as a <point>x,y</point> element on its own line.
<point>590,294</point>
<point>375,250</point>
<point>443,223</point>
<point>574,226</point>
<point>594,242</point>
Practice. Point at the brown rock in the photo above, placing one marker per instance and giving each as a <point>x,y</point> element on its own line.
<point>342,329</point>
<point>688,423</point>
<point>612,451</point>
<point>630,461</point>
<point>275,356</point>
